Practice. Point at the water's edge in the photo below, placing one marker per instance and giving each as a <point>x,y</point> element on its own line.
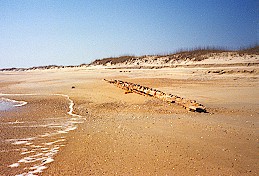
<point>8,104</point>
<point>43,154</point>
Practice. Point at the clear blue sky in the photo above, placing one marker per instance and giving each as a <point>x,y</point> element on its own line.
<point>72,32</point>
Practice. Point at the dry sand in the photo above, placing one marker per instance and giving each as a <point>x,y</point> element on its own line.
<point>130,134</point>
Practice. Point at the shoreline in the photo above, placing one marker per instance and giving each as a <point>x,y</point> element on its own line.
<point>8,104</point>
<point>71,103</point>
<point>129,134</point>
<point>37,155</point>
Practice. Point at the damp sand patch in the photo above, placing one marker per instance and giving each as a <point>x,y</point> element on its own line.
<point>28,145</point>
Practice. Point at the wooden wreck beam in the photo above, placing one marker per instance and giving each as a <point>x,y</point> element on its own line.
<point>190,105</point>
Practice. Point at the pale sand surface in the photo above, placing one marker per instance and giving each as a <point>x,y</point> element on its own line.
<point>130,134</point>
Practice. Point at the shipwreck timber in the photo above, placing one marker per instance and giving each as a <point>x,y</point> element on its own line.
<point>190,105</point>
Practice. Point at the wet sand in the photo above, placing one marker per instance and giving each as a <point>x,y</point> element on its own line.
<point>130,134</point>
<point>32,134</point>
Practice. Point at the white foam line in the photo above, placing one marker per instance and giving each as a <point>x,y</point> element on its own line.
<point>62,132</point>
<point>28,143</point>
<point>44,148</point>
<point>16,122</point>
<point>23,174</point>
<point>45,159</point>
<point>55,126</point>
<point>21,141</point>
<point>47,135</point>
<point>73,122</point>
<point>15,150</point>
<point>36,126</point>
<point>52,152</point>
<point>38,169</point>
<point>20,103</point>
<point>36,146</point>
<point>23,149</point>
<point>46,156</point>
<point>28,160</point>
<point>51,143</point>
<point>23,153</point>
<point>14,165</point>
<point>71,103</point>
<point>69,128</point>
<point>48,160</point>
<point>39,154</point>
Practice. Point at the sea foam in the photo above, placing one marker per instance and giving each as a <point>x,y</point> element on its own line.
<point>38,156</point>
<point>6,104</point>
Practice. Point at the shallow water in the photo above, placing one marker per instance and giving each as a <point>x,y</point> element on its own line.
<point>29,143</point>
<point>8,104</point>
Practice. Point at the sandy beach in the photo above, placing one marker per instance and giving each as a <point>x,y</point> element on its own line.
<point>129,88</point>
<point>131,134</point>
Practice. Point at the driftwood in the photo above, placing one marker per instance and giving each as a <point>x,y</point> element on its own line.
<point>190,105</point>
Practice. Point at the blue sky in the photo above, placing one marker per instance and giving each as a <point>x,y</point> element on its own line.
<point>67,32</point>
